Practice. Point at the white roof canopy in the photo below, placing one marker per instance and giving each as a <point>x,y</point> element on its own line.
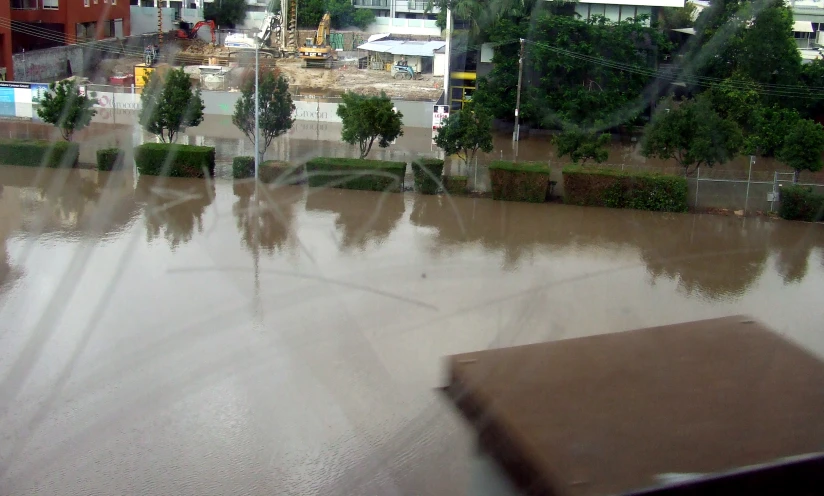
<point>399,47</point>
<point>802,27</point>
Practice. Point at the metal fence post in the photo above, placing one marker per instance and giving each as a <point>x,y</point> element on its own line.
<point>749,178</point>
<point>697,183</point>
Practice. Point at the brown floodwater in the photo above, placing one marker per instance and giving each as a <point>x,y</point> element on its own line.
<point>168,337</point>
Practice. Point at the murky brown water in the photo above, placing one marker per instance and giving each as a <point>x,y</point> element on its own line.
<point>163,337</point>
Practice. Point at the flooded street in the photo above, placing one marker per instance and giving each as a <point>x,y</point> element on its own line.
<point>167,337</point>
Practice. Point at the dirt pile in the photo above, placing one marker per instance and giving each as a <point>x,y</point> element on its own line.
<point>200,47</point>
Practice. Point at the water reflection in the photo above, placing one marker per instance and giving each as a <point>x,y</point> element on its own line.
<point>268,227</point>
<point>363,216</point>
<point>714,257</point>
<point>174,208</point>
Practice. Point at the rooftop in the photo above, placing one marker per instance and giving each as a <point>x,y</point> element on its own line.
<point>400,47</point>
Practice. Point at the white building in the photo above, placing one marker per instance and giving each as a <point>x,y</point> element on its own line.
<point>619,10</point>
<point>144,15</point>
<point>401,16</point>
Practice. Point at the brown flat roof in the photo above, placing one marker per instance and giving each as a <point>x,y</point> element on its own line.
<point>635,411</point>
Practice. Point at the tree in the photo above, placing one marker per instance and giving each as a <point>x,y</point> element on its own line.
<point>677,17</point>
<point>225,13</point>
<point>275,105</point>
<point>803,147</point>
<point>369,118</point>
<point>692,134</point>
<point>342,12</point>
<point>64,107</point>
<point>466,132</point>
<point>170,105</point>
<point>582,145</point>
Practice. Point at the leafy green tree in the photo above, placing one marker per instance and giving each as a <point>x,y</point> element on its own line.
<point>769,52</point>
<point>560,89</point>
<point>692,134</point>
<point>803,147</point>
<point>342,12</point>
<point>225,13</point>
<point>369,118</point>
<point>812,76</point>
<point>677,17</point>
<point>466,132</point>
<point>64,107</point>
<point>275,106</point>
<point>582,145</point>
<point>170,105</point>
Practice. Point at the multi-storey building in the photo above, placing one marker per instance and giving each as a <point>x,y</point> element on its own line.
<point>6,70</point>
<point>402,16</point>
<point>48,23</point>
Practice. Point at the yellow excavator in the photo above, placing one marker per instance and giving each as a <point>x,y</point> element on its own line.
<point>317,51</point>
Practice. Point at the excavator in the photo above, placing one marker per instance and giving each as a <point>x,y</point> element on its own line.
<point>277,36</point>
<point>189,32</point>
<point>317,51</point>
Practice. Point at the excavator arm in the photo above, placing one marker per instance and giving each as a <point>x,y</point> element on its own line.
<point>200,24</point>
<point>321,38</point>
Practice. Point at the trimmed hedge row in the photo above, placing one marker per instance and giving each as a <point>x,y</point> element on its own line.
<point>618,189</point>
<point>38,153</point>
<point>183,160</point>
<point>109,159</point>
<point>243,167</point>
<point>800,203</point>
<point>522,181</point>
<point>455,185</point>
<point>355,173</point>
<point>427,172</point>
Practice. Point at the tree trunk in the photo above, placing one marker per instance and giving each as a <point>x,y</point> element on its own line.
<point>796,175</point>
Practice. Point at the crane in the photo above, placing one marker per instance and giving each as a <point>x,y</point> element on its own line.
<point>318,51</point>
<point>187,33</point>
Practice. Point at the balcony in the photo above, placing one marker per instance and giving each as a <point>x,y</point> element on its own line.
<point>374,4</point>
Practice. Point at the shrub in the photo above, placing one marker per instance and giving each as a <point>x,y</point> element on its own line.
<point>522,181</point>
<point>427,172</point>
<point>276,171</point>
<point>355,173</point>
<point>800,203</point>
<point>109,159</point>
<point>243,167</point>
<point>455,185</point>
<point>618,189</point>
<point>183,160</point>
<point>31,153</point>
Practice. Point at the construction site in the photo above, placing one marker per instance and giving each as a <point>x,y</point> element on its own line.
<point>316,63</point>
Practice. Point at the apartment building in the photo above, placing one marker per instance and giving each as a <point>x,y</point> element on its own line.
<point>6,69</point>
<point>401,16</point>
<point>48,23</point>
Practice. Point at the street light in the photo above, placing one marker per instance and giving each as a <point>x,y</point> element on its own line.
<point>257,108</point>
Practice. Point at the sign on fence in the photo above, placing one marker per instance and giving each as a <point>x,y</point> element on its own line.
<point>439,113</point>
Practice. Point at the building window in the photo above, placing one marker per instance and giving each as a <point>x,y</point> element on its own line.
<point>50,4</point>
<point>85,3</point>
<point>24,4</point>
<point>114,2</point>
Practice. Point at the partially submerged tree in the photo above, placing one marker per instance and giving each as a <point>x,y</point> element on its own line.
<point>692,134</point>
<point>803,147</point>
<point>275,106</point>
<point>369,118</point>
<point>64,107</point>
<point>170,105</point>
<point>466,132</point>
<point>582,145</point>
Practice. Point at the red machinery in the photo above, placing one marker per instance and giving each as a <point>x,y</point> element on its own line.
<point>187,33</point>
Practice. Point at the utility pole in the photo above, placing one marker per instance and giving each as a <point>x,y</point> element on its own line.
<point>159,26</point>
<point>516,133</point>
<point>257,109</point>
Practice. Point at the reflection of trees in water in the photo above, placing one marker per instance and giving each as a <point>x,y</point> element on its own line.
<point>711,256</point>
<point>269,228</point>
<point>793,246</point>
<point>174,207</point>
<point>71,200</point>
<point>363,216</point>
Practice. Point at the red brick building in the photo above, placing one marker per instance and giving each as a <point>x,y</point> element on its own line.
<point>48,23</point>
<point>5,42</point>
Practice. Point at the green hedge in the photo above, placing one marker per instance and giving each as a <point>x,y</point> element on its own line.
<point>800,203</point>
<point>109,159</point>
<point>354,173</point>
<point>243,167</point>
<point>618,189</point>
<point>522,181</point>
<point>184,160</point>
<point>427,172</point>
<point>33,153</point>
<point>455,185</point>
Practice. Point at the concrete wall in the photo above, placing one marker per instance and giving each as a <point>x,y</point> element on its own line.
<point>48,65</point>
<point>144,20</point>
<point>419,27</point>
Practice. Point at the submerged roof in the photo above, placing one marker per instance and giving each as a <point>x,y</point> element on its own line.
<point>400,47</point>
